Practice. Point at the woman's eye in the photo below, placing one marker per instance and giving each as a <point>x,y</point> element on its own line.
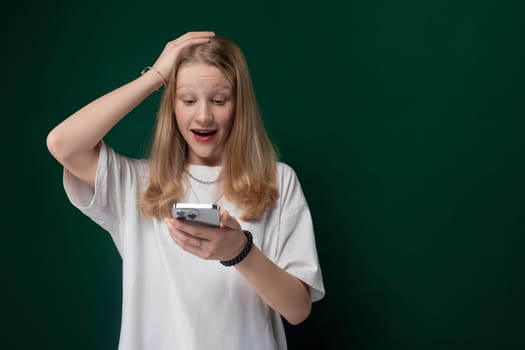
<point>218,101</point>
<point>188,102</point>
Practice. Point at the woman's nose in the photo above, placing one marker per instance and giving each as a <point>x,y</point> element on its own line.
<point>204,114</point>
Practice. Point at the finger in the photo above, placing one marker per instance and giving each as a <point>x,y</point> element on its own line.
<point>229,221</point>
<point>193,41</point>
<point>199,231</point>
<point>198,34</point>
<point>183,237</point>
<point>205,36</point>
<point>186,241</point>
<point>187,247</point>
<point>199,251</point>
<point>171,222</point>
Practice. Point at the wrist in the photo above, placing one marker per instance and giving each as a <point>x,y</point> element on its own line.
<point>157,74</point>
<point>244,252</point>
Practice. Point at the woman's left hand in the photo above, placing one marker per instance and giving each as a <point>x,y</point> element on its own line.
<point>211,243</point>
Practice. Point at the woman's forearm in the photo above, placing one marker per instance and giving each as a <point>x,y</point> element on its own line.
<point>280,290</point>
<point>82,131</point>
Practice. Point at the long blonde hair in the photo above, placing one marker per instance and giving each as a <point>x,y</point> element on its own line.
<point>249,170</point>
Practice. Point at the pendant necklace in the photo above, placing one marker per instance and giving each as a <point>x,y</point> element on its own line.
<point>198,199</point>
<point>203,182</point>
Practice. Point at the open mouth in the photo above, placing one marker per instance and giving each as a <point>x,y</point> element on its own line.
<point>204,133</point>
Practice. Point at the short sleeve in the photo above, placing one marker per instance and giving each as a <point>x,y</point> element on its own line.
<point>115,189</point>
<point>296,251</point>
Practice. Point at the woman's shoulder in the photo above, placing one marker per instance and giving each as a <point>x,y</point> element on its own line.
<point>287,178</point>
<point>285,171</point>
<point>122,162</point>
<point>290,190</point>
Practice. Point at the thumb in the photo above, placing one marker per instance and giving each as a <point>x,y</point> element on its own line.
<point>229,221</point>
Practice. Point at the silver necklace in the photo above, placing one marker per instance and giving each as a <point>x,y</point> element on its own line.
<point>203,181</point>
<point>198,199</point>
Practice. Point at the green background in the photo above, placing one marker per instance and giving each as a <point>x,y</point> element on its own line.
<point>403,119</point>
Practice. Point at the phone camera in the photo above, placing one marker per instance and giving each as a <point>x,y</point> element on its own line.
<point>186,214</point>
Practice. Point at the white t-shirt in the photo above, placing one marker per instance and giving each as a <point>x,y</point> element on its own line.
<point>175,300</point>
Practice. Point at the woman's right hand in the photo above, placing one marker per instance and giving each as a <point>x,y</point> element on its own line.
<point>166,61</point>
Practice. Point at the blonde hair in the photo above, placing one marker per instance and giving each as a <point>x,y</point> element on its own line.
<point>249,170</point>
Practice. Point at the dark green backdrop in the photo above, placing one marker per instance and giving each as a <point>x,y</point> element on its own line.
<point>404,120</point>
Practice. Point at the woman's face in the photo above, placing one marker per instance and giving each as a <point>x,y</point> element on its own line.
<point>204,108</point>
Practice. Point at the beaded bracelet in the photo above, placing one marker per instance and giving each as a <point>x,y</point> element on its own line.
<point>164,81</point>
<point>243,253</point>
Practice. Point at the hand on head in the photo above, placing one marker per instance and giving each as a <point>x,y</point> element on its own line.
<point>166,61</point>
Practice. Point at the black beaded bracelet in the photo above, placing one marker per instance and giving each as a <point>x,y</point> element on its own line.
<point>244,252</point>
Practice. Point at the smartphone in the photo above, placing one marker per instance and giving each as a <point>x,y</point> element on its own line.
<point>204,214</point>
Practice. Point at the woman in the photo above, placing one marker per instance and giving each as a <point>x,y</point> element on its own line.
<point>209,147</point>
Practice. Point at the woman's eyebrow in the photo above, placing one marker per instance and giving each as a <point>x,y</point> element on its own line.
<point>213,87</point>
<point>222,87</point>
